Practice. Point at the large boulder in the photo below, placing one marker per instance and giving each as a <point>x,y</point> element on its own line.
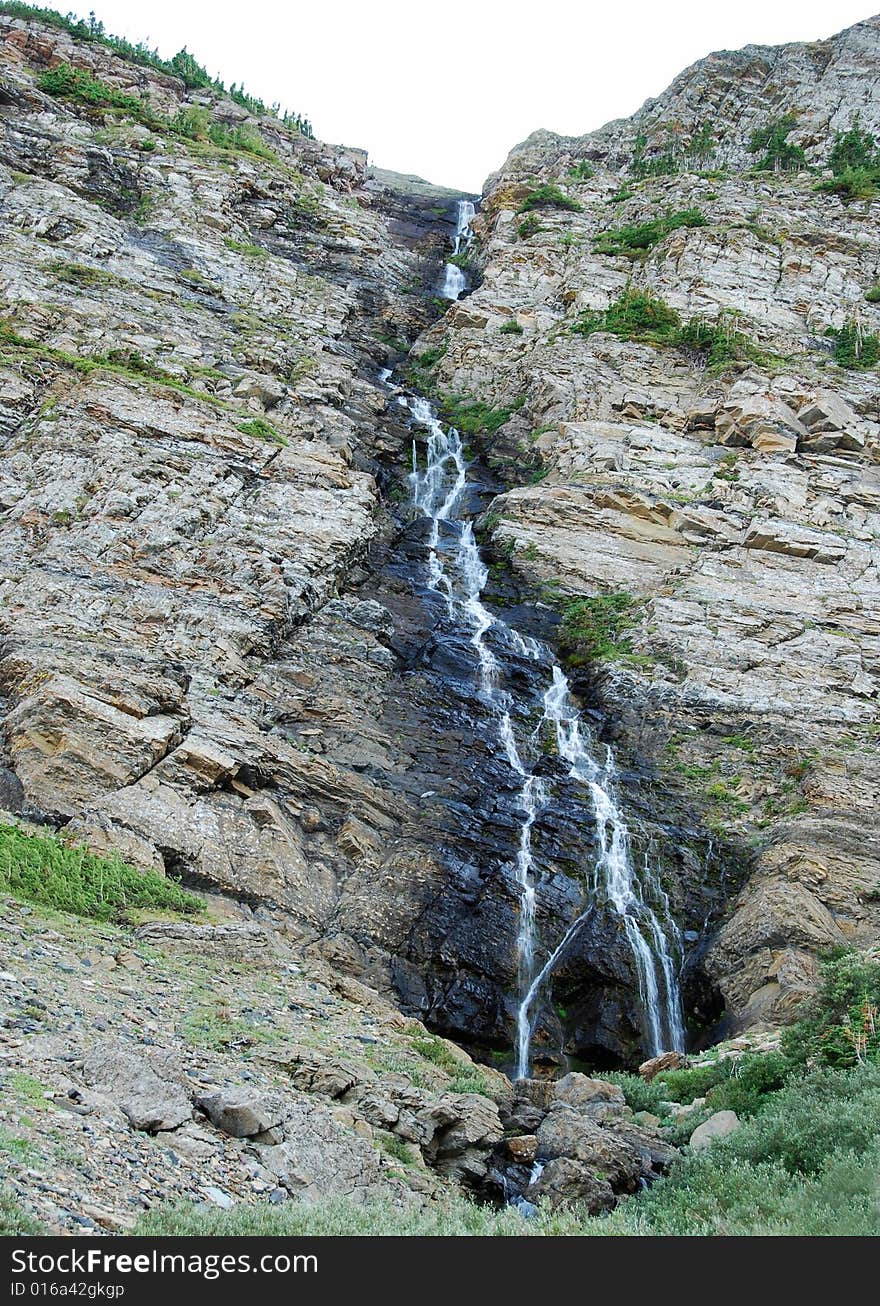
<point>651,1068</point>
<point>146,1086</point>
<point>463,1129</point>
<point>242,1111</point>
<point>719,1125</point>
<point>563,1180</point>
<point>567,1133</point>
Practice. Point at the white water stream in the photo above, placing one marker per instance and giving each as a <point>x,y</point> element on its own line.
<point>454,280</point>
<point>457,572</point>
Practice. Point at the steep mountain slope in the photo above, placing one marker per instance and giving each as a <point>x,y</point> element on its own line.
<point>708,463</point>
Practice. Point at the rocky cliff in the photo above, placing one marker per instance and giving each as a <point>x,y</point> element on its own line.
<point>667,303</point>
<point>218,661</point>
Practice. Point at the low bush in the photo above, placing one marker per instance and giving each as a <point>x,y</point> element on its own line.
<point>548,197</point>
<point>40,868</point>
<point>643,236</point>
<point>529,226</point>
<point>595,629</point>
<point>853,184</point>
<point>511,327</point>
<point>473,416</point>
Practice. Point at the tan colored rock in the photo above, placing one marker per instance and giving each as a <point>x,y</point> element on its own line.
<point>719,1125</point>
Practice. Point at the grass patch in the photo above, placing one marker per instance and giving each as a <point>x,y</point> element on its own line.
<point>637,239</point>
<point>245,247</point>
<point>642,317</point>
<point>595,629</point>
<point>260,429</point>
<point>549,197</point>
<point>40,868</point>
<point>511,328</point>
<point>473,416</point>
<point>15,1221</point>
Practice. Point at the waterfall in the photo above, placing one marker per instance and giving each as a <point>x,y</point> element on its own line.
<point>454,280</point>
<point>457,572</point>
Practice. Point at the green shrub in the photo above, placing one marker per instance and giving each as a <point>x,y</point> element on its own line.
<point>854,348</point>
<point>69,83</point>
<point>260,429</point>
<point>749,1079</point>
<point>594,629</point>
<point>529,226</point>
<point>473,416</point>
<point>853,150</point>
<point>548,197</point>
<point>643,236</point>
<point>39,868</point>
<point>835,1024</point>
<point>778,153</point>
<point>853,184</point>
<point>637,315</point>
<point>581,171</point>
<point>641,1094</point>
<point>873,295</point>
<point>511,327</point>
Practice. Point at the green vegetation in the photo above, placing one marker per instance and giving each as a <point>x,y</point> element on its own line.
<point>595,629</point>
<point>855,162</point>
<point>245,247</point>
<point>77,274</point>
<point>473,416</point>
<point>873,295</point>
<point>193,123</point>
<point>529,226</point>
<point>778,153</point>
<point>183,65</point>
<point>260,429</point>
<point>854,348</point>
<point>658,165</point>
<point>840,1026</point>
<point>71,83</point>
<point>14,1222</point>
<point>643,236</point>
<point>581,171</point>
<point>802,1164</point>
<point>638,315</point>
<point>40,868</point>
<point>853,184</point>
<point>548,197</point>
<point>511,327</point>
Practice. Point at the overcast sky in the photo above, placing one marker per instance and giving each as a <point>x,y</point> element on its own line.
<point>445,90</point>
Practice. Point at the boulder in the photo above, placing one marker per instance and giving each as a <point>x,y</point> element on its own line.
<point>564,1180</point>
<point>567,1133</point>
<point>242,1111</point>
<point>666,1061</point>
<point>719,1125</point>
<point>146,1087</point>
<point>577,1090</point>
<point>462,1130</point>
<point>522,1149</point>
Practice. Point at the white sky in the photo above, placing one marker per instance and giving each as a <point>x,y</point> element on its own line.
<point>446,90</point>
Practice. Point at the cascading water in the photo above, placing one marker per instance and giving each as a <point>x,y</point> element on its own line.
<point>456,571</point>
<point>454,279</point>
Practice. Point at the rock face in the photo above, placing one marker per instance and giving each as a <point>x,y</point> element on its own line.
<point>219,659</point>
<point>727,502</point>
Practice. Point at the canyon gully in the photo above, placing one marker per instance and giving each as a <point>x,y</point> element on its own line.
<point>457,574</point>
